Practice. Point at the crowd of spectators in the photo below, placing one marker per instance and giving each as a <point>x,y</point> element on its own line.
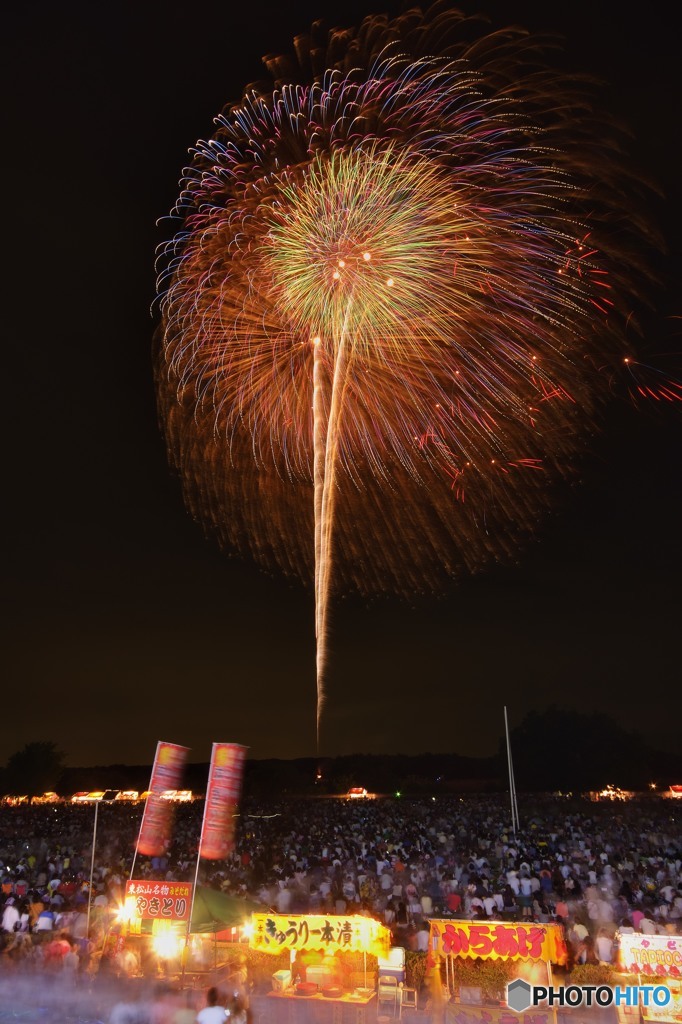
<point>598,869</point>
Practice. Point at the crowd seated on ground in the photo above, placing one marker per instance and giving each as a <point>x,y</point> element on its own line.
<point>595,869</point>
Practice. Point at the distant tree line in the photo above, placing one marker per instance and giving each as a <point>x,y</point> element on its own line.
<point>551,750</point>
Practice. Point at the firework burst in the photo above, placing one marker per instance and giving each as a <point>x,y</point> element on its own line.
<point>393,307</point>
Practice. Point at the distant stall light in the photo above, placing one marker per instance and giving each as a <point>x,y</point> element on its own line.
<point>611,792</point>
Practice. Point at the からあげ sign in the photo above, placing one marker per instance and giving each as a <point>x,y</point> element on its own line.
<point>497,940</point>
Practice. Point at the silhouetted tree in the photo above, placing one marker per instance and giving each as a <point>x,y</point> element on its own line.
<point>33,770</point>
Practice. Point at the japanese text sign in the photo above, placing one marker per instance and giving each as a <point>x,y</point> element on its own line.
<point>498,940</point>
<point>651,954</point>
<point>274,932</point>
<point>158,901</point>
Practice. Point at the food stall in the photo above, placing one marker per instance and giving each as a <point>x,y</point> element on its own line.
<point>654,960</point>
<point>313,990</point>
<point>532,948</point>
<point>184,928</point>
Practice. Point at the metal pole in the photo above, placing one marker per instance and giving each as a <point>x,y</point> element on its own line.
<point>516,803</point>
<point>196,875</point>
<point>144,814</point>
<point>550,982</point>
<point>511,775</point>
<point>513,787</point>
<point>92,866</point>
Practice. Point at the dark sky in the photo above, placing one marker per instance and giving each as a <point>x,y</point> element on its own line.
<point>123,625</point>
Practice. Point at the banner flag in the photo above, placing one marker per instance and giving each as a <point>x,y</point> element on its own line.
<point>169,765</point>
<point>222,800</point>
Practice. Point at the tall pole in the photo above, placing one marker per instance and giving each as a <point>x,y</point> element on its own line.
<point>185,953</point>
<point>196,875</point>
<point>144,813</point>
<point>512,791</point>
<point>513,782</point>
<point>92,866</point>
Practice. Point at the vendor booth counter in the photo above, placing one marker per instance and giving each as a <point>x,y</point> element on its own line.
<point>291,1007</point>
<point>312,990</point>
<point>532,949</point>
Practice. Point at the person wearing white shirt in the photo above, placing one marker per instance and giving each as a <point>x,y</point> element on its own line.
<point>10,916</point>
<point>604,946</point>
<point>423,939</point>
<point>490,905</point>
<point>213,1012</point>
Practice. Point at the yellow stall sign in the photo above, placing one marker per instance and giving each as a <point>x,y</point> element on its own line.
<point>498,940</point>
<point>274,932</point>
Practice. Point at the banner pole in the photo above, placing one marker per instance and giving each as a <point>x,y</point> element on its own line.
<point>191,911</point>
<point>196,872</point>
<point>144,815</point>
<point>511,777</point>
<point>92,866</point>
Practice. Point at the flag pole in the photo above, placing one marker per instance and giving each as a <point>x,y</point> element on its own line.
<point>196,874</point>
<point>516,803</point>
<point>92,866</point>
<point>144,815</point>
<point>191,911</point>
<point>512,792</point>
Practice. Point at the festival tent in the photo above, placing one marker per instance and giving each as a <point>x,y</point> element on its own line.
<point>320,934</point>
<point>214,911</point>
<point>533,947</point>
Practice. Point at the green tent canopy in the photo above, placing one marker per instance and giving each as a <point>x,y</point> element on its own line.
<point>214,910</point>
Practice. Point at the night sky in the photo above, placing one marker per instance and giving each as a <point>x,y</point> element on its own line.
<point>123,625</point>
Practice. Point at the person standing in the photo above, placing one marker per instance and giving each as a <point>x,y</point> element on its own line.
<point>10,916</point>
<point>214,1012</point>
<point>604,946</point>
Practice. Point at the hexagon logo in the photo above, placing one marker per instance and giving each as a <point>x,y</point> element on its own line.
<point>518,995</point>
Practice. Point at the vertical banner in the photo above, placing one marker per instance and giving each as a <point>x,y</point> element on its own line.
<point>169,765</point>
<point>222,800</point>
